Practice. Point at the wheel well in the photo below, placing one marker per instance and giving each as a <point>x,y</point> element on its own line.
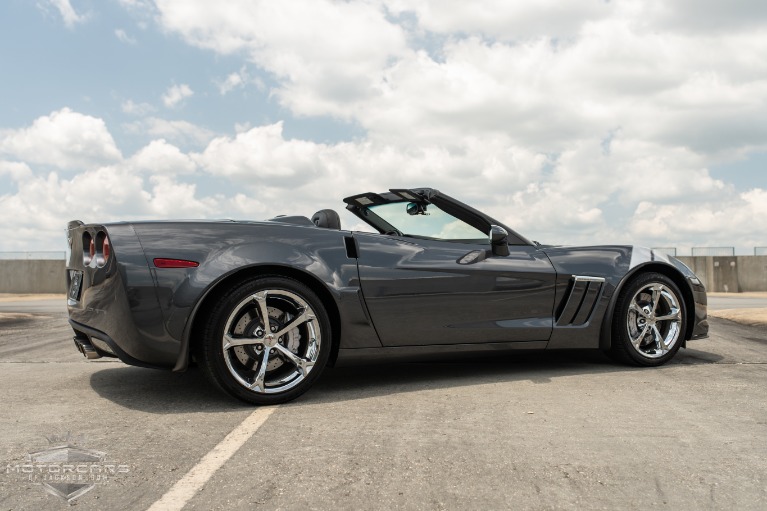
<point>259,271</point>
<point>670,272</point>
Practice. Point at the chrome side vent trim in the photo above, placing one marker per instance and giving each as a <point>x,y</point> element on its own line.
<point>584,293</point>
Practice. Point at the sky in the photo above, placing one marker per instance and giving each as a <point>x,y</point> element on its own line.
<point>591,122</point>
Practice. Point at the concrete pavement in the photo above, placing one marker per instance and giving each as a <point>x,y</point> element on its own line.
<point>534,431</point>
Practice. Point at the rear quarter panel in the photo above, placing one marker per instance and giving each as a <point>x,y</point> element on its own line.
<point>226,250</point>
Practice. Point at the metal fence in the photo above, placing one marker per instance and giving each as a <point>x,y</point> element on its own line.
<point>713,251</point>
<point>55,255</point>
<point>671,251</point>
<point>760,250</point>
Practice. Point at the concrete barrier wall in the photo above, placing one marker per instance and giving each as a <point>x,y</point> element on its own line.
<point>738,274</point>
<point>723,274</point>
<point>32,276</point>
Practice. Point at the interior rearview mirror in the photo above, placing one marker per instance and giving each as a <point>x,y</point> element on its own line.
<point>416,208</point>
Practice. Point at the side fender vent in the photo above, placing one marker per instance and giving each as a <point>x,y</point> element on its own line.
<point>581,300</point>
<point>351,247</point>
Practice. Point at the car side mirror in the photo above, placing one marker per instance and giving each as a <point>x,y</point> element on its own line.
<point>499,240</point>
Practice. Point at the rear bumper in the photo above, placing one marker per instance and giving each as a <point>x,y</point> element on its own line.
<point>94,343</point>
<point>113,307</point>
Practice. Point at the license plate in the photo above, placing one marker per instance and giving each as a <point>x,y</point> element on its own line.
<point>75,285</point>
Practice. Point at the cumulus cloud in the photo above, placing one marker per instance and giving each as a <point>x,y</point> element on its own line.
<point>547,74</point>
<point>17,171</point>
<point>262,153</point>
<point>170,198</point>
<point>327,53</point>
<point>573,122</point>
<point>63,139</point>
<point>176,94</point>
<point>568,197</point>
<point>705,223</point>
<point>160,157</point>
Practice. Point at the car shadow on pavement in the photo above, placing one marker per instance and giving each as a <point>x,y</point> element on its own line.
<point>161,392</point>
<point>165,392</point>
<point>359,382</point>
<point>691,356</point>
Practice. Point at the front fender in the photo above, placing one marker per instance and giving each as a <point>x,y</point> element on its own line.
<point>644,259</point>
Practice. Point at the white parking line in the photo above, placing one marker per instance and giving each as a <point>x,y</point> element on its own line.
<point>186,488</point>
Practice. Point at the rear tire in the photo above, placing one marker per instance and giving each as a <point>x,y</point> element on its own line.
<point>270,361</point>
<point>648,322</point>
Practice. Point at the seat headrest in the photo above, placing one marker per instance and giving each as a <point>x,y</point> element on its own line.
<point>327,219</point>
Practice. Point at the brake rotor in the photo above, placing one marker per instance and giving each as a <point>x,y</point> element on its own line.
<point>247,326</point>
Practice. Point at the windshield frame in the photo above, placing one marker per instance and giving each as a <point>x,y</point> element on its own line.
<point>358,205</point>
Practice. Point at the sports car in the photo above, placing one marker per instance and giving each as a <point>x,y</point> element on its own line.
<point>263,307</point>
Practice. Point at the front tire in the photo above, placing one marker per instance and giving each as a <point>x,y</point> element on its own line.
<point>649,321</point>
<point>266,341</point>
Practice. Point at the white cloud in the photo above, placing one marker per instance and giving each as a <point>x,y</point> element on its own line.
<point>176,131</point>
<point>666,197</point>
<point>18,171</point>
<point>705,223</point>
<point>503,19</point>
<point>67,12</point>
<point>573,122</point>
<point>327,53</point>
<point>262,153</point>
<point>231,82</point>
<point>545,74</point>
<point>238,80</point>
<point>132,108</point>
<point>160,157</point>
<point>171,199</point>
<point>63,139</point>
<point>123,36</point>
<point>136,4</point>
<point>176,94</point>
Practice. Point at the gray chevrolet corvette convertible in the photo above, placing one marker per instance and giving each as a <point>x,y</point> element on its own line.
<point>263,307</point>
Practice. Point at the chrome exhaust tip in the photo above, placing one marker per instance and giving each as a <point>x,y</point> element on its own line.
<point>86,349</point>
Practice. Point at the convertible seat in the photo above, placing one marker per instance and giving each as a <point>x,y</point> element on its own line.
<point>327,219</point>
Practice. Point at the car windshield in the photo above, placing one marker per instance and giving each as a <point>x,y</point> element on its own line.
<point>427,221</point>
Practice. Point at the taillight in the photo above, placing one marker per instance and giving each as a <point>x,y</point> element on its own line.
<point>99,249</point>
<point>106,250</point>
<point>90,251</point>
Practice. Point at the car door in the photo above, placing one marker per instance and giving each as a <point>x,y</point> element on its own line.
<point>427,292</point>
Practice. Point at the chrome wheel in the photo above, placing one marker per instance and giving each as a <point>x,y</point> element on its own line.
<point>649,321</point>
<point>271,341</point>
<point>654,320</point>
